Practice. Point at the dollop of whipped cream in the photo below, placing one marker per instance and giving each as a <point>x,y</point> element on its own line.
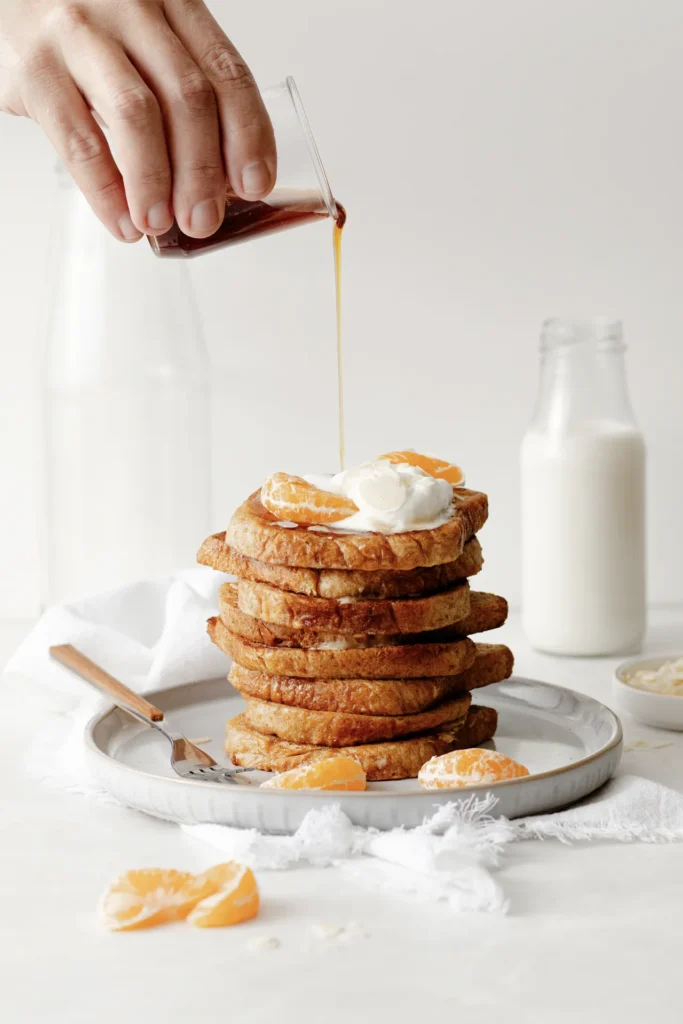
<point>390,498</point>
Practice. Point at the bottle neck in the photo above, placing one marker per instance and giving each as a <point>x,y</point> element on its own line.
<point>582,384</point>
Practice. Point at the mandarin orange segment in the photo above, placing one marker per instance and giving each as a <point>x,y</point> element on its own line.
<point>147,897</point>
<point>472,767</point>
<point>293,498</point>
<point>152,896</point>
<point>235,898</point>
<point>334,773</point>
<point>435,467</point>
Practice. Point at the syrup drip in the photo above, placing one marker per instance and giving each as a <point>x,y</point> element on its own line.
<point>336,242</point>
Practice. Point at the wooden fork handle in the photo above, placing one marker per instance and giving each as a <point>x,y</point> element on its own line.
<point>92,673</point>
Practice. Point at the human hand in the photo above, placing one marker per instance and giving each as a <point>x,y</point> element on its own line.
<point>181,105</point>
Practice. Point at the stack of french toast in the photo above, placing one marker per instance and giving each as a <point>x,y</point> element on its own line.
<point>354,642</point>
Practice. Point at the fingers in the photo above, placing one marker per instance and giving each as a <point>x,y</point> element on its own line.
<point>117,92</point>
<point>188,105</point>
<point>181,107</point>
<point>247,134</point>
<point>55,103</point>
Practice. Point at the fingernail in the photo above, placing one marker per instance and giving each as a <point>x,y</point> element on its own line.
<point>256,178</point>
<point>159,217</point>
<point>205,217</point>
<point>128,230</point>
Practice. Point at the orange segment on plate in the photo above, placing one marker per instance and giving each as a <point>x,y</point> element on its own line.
<point>334,773</point>
<point>147,897</point>
<point>469,768</point>
<point>435,467</point>
<point>235,898</point>
<point>152,896</point>
<point>293,498</point>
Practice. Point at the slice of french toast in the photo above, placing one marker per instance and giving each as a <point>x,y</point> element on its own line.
<point>256,533</point>
<point>411,661</point>
<point>384,583</point>
<point>400,759</point>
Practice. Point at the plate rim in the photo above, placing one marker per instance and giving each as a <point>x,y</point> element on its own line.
<point>612,744</point>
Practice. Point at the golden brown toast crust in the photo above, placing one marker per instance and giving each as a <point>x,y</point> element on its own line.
<point>493,663</point>
<point>254,532</point>
<point>400,759</point>
<point>387,583</point>
<point>411,661</point>
<point>401,615</point>
<point>340,729</point>
<point>353,696</point>
<point>487,611</point>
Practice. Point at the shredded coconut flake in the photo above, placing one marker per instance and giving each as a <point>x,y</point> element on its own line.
<point>325,931</point>
<point>262,943</point>
<point>644,745</point>
<point>339,933</point>
<point>668,678</point>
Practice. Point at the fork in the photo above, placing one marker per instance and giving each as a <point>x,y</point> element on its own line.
<point>187,760</point>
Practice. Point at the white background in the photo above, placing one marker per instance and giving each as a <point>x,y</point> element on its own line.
<point>501,161</point>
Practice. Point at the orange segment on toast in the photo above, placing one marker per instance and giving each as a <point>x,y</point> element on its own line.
<point>435,467</point>
<point>334,773</point>
<point>471,767</point>
<point>293,498</point>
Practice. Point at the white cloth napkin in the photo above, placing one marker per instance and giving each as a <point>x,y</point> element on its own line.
<point>152,633</point>
<point>453,855</point>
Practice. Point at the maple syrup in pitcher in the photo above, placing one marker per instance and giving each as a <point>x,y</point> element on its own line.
<point>244,219</point>
<point>301,195</point>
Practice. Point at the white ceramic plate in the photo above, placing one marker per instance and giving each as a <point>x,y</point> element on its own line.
<point>663,710</point>
<point>571,744</point>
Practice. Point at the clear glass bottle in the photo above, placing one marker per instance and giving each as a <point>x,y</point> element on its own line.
<point>583,497</point>
<point>126,411</point>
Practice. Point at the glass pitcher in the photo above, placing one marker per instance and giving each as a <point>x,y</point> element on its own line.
<point>301,194</point>
<point>126,412</point>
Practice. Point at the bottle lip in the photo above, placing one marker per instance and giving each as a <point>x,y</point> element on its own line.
<point>606,333</point>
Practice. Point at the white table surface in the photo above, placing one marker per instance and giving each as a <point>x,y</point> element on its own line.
<point>595,931</point>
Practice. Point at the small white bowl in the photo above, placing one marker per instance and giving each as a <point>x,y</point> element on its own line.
<point>663,710</point>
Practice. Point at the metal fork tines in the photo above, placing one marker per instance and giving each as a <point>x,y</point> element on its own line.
<point>214,773</point>
<point>187,760</point>
<point>191,762</point>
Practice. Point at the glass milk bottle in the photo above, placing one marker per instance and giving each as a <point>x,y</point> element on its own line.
<point>583,497</point>
<point>126,412</point>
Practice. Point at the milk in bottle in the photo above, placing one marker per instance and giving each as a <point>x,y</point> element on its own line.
<point>583,497</point>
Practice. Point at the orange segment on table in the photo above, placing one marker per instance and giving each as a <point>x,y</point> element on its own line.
<point>225,894</point>
<point>235,898</point>
<point>149,896</point>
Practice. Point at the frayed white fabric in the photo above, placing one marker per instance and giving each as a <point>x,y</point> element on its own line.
<point>627,808</point>
<point>447,858</point>
<point>153,633</point>
<point>453,855</point>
